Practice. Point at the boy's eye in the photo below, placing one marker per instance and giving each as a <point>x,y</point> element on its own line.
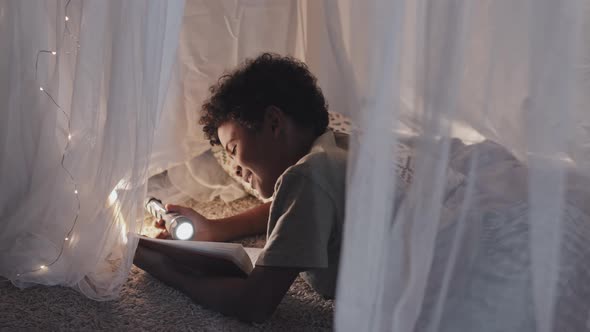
<point>233,151</point>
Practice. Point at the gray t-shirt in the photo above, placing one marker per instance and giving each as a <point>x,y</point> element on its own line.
<point>307,216</point>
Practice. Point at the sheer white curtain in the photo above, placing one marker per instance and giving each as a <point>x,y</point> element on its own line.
<point>85,80</point>
<point>492,233</point>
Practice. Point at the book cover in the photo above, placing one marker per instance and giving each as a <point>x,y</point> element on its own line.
<point>219,258</point>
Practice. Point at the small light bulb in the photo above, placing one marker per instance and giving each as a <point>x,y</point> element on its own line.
<point>54,53</point>
<point>67,18</point>
<point>41,88</point>
<point>67,238</point>
<point>69,137</point>
<point>75,191</point>
<point>18,274</point>
<point>113,197</point>
<point>43,267</point>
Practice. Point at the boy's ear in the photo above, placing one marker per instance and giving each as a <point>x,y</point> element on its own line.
<point>276,119</point>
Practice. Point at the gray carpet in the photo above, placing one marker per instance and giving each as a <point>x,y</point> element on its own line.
<point>147,304</point>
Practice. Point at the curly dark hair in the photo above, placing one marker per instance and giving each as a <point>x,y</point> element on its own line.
<point>268,80</point>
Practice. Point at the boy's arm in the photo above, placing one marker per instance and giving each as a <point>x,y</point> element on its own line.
<point>250,222</point>
<point>252,299</point>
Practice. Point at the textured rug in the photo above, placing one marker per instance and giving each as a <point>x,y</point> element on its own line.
<point>147,304</point>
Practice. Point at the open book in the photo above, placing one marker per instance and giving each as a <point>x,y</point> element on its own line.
<point>223,258</point>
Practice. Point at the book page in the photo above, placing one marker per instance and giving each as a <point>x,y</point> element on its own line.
<point>253,253</point>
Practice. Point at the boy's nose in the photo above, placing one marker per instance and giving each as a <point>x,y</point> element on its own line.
<point>238,170</point>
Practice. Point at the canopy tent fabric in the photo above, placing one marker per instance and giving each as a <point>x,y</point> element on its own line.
<point>516,72</point>
<point>83,85</point>
<point>509,78</point>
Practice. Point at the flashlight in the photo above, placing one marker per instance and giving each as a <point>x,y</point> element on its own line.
<point>179,226</point>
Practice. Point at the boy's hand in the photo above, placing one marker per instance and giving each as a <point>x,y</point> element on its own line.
<point>164,235</point>
<point>204,228</point>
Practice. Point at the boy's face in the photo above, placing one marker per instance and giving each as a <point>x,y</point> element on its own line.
<point>257,154</point>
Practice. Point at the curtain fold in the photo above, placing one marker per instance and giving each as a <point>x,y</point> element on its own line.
<point>489,234</point>
<point>83,86</point>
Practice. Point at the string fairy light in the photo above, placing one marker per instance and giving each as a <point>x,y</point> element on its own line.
<point>67,28</point>
<point>44,267</point>
<point>68,238</point>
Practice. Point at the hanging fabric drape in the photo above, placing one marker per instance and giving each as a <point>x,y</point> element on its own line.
<point>82,87</point>
<point>491,233</point>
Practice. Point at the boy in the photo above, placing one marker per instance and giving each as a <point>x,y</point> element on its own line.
<point>271,117</point>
